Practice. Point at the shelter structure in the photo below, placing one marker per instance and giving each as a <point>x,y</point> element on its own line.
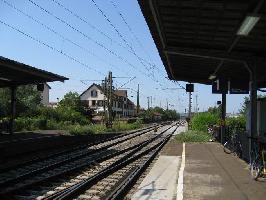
<point>14,74</point>
<point>201,41</point>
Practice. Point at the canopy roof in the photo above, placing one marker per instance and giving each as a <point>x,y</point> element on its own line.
<point>198,38</point>
<point>15,73</point>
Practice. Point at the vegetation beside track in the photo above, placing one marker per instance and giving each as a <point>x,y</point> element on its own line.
<point>193,136</point>
<point>68,115</point>
<point>100,128</point>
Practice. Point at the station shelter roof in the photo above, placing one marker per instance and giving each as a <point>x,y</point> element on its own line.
<point>13,73</point>
<point>200,38</point>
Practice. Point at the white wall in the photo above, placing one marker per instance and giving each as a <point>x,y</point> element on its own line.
<point>87,95</point>
<point>45,95</point>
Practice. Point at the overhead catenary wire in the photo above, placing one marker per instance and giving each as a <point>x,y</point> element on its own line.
<point>87,22</point>
<point>51,47</point>
<point>62,36</point>
<point>95,28</point>
<point>89,38</point>
<point>119,34</point>
<point>132,32</point>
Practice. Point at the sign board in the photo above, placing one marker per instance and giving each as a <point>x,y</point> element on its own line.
<point>189,87</point>
<point>220,86</point>
<point>238,89</point>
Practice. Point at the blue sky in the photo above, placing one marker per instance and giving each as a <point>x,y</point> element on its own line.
<point>88,49</point>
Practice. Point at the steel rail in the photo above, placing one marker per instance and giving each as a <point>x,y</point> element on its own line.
<point>121,190</point>
<point>79,147</point>
<point>95,159</point>
<point>71,191</point>
<point>59,163</point>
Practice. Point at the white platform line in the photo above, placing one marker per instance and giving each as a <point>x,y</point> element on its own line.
<point>180,183</point>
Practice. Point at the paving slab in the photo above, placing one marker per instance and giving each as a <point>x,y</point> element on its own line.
<point>181,129</point>
<point>160,183</point>
<point>210,174</point>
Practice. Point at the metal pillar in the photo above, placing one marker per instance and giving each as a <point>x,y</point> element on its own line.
<point>253,111</point>
<point>223,117</point>
<point>189,105</point>
<point>148,98</point>
<point>110,106</point>
<point>13,108</point>
<point>251,67</point>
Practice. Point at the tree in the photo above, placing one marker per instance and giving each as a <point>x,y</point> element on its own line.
<point>245,104</point>
<point>28,99</point>
<point>71,100</point>
<point>215,110</point>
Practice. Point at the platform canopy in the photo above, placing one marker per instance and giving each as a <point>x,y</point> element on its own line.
<point>200,40</point>
<point>13,73</point>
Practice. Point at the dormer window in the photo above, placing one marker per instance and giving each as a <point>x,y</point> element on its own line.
<point>94,93</point>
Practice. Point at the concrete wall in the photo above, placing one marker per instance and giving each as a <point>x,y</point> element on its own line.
<point>45,95</point>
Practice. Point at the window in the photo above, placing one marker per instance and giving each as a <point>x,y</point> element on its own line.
<point>100,103</point>
<point>94,93</point>
<point>93,102</point>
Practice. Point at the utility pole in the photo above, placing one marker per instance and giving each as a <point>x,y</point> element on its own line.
<point>148,98</point>
<point>160,104</point>
<point>189,104</point>
<point>151,101</point>
<point>108,92</point>
<point>104,86</point>
<point>138,100</point>
<point>110,108</point>
<point>166,104</point>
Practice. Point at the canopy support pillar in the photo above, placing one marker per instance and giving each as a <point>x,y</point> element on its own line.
<point>223,117</point>
<point>13,108</point>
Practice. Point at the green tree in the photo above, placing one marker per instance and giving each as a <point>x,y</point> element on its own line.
<point>216,110</point>
<point>28,99</point>
<point>71,100</point>
<point>243,109</point>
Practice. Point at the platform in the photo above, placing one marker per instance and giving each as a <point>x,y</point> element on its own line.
<point>161,181</point>
<point>209,174</point>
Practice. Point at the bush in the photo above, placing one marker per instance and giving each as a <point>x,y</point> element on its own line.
<point>27,123</point>
<point>80,130</point>
<point>201,121</point>
<point>236,124</point>
<point>192,136</point>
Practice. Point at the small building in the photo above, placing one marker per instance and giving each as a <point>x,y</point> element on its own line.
<point>45,94</point>
<point>94,99</point>
<point>14,74</point>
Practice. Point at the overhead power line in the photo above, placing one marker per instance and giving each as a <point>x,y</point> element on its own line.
<point>86,22</point>
<point>87,37</point>
<point>132,32</point>
<point>60,35</point>
<point>118,32</point>
<point>50,47</point>
<point>98,30</point>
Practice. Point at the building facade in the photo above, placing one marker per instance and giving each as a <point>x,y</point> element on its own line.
<point>94,99</point>
<point>45,94</point>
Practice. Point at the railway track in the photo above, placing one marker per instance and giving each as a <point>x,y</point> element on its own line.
<point>51,154</point>
<point>54,177</point>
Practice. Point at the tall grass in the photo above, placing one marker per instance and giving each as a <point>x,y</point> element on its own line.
<point>201,121</point>
<point>193,136</point>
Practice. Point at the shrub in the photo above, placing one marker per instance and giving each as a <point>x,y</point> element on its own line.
<point>80,130</point>
<point>28,123</point>
<point>201,121</point>
<point>192,136</point>
<point>236,124</point>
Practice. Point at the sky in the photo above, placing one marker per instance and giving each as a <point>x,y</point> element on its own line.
<point>85,39</point>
